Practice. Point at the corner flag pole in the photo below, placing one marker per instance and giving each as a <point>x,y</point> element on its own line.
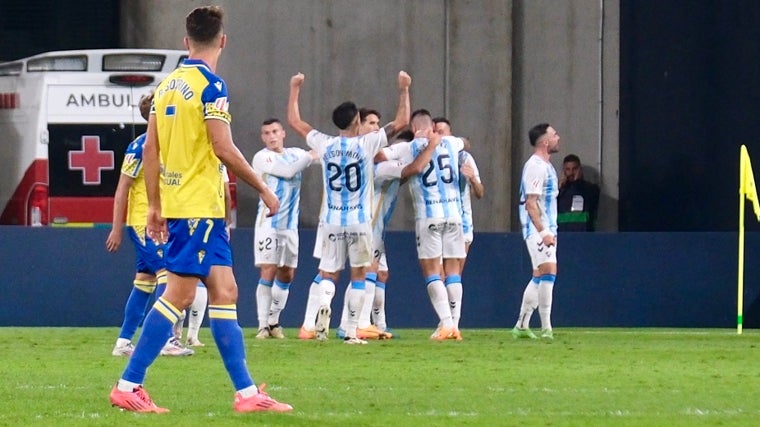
<point>740,290</point>
<point>748,189</point>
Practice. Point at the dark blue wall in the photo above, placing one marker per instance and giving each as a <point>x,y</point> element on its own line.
<point>65,277</point>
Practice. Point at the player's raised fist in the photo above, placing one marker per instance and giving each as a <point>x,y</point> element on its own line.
<point>297,80</point>
<point>404,80</point>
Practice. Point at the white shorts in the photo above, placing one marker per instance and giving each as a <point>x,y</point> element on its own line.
<point>382,261</point>
<point>338,243</point>
<point>318,242</point>
<point>469,236</point>
<point>279,247</point>
<point>439,237</point>
<point>539,253</point>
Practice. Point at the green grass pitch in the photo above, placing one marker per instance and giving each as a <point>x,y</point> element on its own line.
<point>586,377</point>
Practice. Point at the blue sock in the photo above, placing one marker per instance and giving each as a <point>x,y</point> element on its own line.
<point>157,329</point>
<point>134,310</point>
<point>229,340</point>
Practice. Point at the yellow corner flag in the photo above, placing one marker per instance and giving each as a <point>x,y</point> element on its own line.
<point>747,190</point>
<point>747,181</point>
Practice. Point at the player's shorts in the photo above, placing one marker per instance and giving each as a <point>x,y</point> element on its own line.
<point>439,237</point>
<point>378,252</point>
<point>353,241</point>
<point>278,247</point>
<point>148,255</point>
<point>540,253</point>
<point>382,263</point>
<point>196,244</point>
<point>468,229</point>
<point>318,242</point>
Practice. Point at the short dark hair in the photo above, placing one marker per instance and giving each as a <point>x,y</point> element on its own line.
<point>204,23</point>
<point>344,114</point>
<point>270,121</point>
<point>145,103</point>
<point>419,112</point>
<point>364,112</point>
<point>441,119</point>
<point>537,132</point>
<point>406,135</point>
<point>571,158</point>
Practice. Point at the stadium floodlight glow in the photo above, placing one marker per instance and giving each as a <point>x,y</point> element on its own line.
<point>133,62</point>
<point>58,63</point>
<point>11,69</point>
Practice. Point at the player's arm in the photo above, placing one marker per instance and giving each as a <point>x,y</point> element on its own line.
<point>423,158</point>
<point>221,141</point>
<point>401,120</point>
<point>156,224</point>
<point>280,169</point>
<point>294,114</point>
<point>534,212</point>
<point>470,171</point>
<point>119,211</point>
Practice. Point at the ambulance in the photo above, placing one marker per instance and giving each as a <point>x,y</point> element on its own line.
<point>66,118</point>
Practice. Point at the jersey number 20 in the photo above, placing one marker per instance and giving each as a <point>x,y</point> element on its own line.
<point>349,176</point>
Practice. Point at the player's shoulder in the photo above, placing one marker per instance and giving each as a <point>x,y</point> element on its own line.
<point>136,146</point>
<point>298,151</point>
<point>317,135</point>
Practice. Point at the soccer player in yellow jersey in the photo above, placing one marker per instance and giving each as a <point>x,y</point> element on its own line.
<point>150,273</point>
<point>188,139</point>
<point>130,198</point>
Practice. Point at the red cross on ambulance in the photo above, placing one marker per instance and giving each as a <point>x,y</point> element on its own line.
<point>91,160</point>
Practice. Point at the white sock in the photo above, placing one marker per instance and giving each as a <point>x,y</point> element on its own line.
<point>263,301</point>
<point>177,329</point>
<point>344,312</point>
<point>128,386</point>
<point>440,300</point>
<point>545,290</point>
<point>312,306</point>
<point>121,342</point>
<point>356,296</point>
<point>529,304</point>
<point>280,293</point>
<point>197,312</point>
<point>249,391</point>
<point>378,307</point>
<point>326,292</point>
<point>454,292</point>
<point>366,308</point>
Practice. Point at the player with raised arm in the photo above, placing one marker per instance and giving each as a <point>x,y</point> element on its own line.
<point>347,165</point>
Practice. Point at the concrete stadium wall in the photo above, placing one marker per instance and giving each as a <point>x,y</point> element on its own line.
<point>494,67</point>
<point>457,52</point>
<point>65,277</point>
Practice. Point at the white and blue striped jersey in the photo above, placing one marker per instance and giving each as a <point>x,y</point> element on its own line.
<point>347,175</point>
<point>435,191</point>
<point>465,189</point>
<point>282,174</point>
<point>387,183</point>
<point>540,178</point>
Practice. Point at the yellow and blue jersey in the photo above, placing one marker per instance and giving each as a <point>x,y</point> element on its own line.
<point>191,175</point>
<point>137,202</point>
